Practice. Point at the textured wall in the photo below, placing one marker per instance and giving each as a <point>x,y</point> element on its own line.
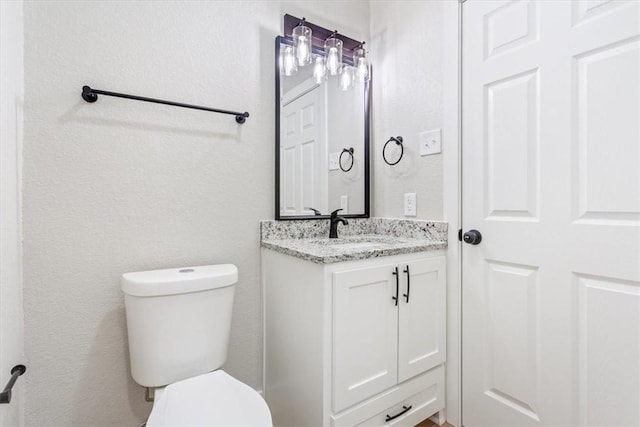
<point>11,131</point>
<point>121,186</point>
<point>406,46</point>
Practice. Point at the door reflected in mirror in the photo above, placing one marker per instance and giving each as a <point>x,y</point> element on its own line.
<point>322,142</point>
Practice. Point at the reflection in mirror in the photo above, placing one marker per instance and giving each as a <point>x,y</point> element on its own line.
<point>322,145</point>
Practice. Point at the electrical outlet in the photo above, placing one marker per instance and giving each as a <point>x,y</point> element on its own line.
<point>334,161</point>
<point>344,204</point>
<point>410,204</point>
<point>430,142</point>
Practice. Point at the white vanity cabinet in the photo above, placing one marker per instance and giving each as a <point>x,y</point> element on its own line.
<point>356,342</point>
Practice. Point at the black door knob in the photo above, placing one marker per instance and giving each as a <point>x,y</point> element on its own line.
<point>472,237</point>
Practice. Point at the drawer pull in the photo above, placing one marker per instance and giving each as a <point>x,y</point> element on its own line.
<point>408,284</point>
<point>405,409</point>
<point>395,273</point>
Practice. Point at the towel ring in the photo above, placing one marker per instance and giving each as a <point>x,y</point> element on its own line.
<point>398,140</point>
<point>350,152</point>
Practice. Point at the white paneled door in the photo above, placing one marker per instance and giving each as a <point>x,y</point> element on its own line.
<point>551,180</point>
<point>303,151</point>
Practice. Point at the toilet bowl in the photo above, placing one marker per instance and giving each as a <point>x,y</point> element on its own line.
<point>178,324</point>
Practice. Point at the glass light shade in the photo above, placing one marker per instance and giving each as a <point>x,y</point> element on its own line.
<point>362,65</point>
<point>289,63</point>
<point>302,39</point>
<point>319,70</point>
<point>333,50</point>
<point>346,77</point>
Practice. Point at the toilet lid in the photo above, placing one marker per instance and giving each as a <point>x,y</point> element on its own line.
<point>213,399</point>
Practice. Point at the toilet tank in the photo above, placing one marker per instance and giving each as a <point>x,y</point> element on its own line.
<point>178,321</point>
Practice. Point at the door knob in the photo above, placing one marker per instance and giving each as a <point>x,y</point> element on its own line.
<point>472,237</point>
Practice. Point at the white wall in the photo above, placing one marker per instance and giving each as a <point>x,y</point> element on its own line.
<point>345,129</point>
<point>406,48</point>
<point>11,103</point>
<point>120,186</point>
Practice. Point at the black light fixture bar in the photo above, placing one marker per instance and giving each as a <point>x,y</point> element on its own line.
<point>91,95</point>
<point>320,34</point>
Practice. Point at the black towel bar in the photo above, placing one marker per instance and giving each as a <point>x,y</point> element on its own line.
<point>91,95</point>
<point>16,371</point>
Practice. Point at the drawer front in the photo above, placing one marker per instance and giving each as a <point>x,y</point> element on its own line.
<point>423,394</point>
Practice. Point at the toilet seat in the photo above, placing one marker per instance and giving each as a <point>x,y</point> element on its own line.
<point>213,399</point>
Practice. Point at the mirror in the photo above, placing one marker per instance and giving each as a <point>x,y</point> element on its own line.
<point>322,144</point>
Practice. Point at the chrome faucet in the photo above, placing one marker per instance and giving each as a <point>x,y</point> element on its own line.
<point>335,219</point>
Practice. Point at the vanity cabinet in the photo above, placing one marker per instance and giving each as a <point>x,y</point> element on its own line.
<point>356,342</point>
<point>387,326</point>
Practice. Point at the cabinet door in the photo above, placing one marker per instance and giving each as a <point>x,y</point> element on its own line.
<point>365,334</point>
<point>422,317</point>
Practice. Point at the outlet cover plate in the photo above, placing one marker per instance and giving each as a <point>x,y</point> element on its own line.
<point>410,204</point>
<point>344,204</point>
<point>430,142</point>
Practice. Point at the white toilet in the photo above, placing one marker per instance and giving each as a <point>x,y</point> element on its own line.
<point>178,322</point>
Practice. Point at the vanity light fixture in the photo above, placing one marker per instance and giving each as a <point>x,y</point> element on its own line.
<point>302,38</point>
<point>338,55</point>
<point>361,63</point>
<point>333,50</point>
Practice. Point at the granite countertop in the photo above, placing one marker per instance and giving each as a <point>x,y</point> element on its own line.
<point>361,239</point>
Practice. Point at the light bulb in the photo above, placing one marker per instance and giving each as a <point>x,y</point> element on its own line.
<point>361,63</point>
<point>346,78</point>
<point>362,70</point>
<point>289,64</point>
<point>319,70</point>
<point>302,38</point>
<point>333,49</point>
<point>333,63</point>
<point>302,52</point>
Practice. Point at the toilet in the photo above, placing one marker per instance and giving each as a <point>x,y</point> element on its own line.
<point>178,323</point>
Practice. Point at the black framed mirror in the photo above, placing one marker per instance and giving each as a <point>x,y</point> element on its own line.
<point>321,142</point>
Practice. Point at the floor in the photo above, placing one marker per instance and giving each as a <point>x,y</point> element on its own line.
<point>429,423</point>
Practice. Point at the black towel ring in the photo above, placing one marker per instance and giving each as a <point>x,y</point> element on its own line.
<point>346,150</point>
<point>398,140</point>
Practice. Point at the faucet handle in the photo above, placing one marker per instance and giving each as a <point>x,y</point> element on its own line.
<point>315,211</point>
<point>335,213</point>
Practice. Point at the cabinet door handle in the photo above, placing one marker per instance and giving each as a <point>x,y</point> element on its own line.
<point>405,409</point>
<point>395,273</point>
<point>406,270</point>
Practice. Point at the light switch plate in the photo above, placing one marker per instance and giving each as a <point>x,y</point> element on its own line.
<point>344,204</point>
<point>410,204</point>
<point>430,142</point>
<point>334,159</point>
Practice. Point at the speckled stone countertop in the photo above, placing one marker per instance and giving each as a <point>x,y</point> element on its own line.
<point>361,239</point>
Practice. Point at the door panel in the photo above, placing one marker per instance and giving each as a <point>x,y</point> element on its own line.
<point>551,296</point>
<point>365,334</point>
<point>605,77</point>
<point>605,354</point>
<point>422,341</point>
<point>512,132</point>
<point>512,324</point>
